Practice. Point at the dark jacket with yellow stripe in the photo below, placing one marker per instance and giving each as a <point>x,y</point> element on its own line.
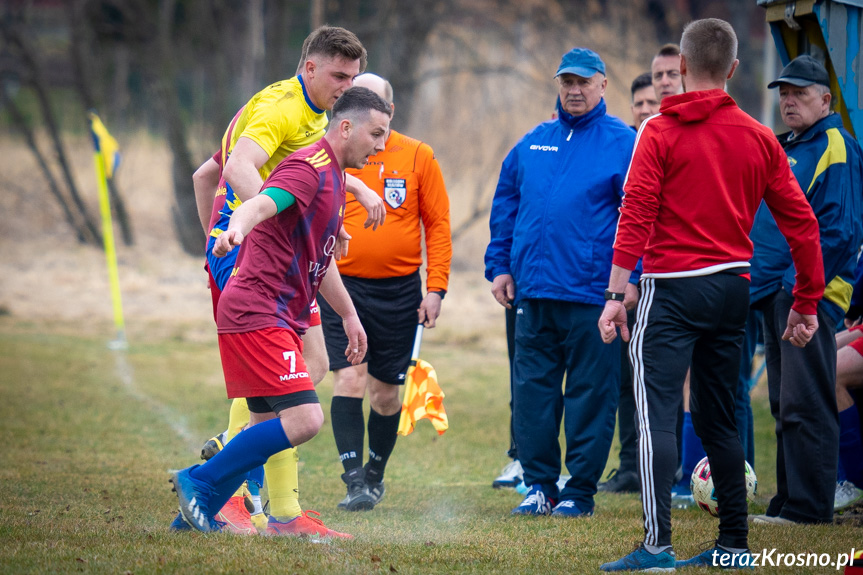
<point>828,165</point>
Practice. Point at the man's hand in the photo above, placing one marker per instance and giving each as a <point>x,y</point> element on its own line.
<point>342,241</point>
<point>630,298</point>
<point>226,242</point>
<point>429,309</point>
<point>800,328</point>
<point>613,316</point>
<point>503,290</point>
<point>357,342</point>
<point>373,204</point>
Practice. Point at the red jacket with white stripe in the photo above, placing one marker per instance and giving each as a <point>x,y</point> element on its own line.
<point>699,171</point>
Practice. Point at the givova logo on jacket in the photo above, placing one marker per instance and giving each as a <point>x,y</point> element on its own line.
<point>539,148</point>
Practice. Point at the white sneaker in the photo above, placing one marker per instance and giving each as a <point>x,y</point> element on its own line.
<point>846,495</point>
<point>510,476</point>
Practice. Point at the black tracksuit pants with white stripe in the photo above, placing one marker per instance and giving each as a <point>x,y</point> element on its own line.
<point>681,321</point>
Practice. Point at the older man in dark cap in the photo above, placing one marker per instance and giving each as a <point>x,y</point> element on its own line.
<point>826,160</point>
<point>552,228</point>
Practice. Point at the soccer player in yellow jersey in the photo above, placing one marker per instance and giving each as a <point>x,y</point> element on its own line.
<point>275,122</point>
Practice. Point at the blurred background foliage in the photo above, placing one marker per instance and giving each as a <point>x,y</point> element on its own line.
<point>470,77</point>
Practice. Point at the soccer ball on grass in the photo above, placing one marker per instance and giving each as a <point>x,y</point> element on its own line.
<point>701,485</point>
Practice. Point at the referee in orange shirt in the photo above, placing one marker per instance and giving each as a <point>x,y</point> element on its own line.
<point>381,273</point>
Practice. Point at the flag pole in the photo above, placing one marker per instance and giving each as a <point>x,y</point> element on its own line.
<point>418,339</point>
<point>110,248</point>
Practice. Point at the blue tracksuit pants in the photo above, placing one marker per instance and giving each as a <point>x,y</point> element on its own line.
<point>563,372</point>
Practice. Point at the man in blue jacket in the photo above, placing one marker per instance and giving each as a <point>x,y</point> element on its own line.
<point>552,224</point>
<point>826,160</point>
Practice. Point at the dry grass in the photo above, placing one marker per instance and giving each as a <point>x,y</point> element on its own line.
<point>87,440</point>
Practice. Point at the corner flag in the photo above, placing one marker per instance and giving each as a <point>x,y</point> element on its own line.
<point>423,396</point>
<point>107,158</point>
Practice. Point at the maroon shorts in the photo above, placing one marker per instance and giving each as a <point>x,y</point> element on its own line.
<point>857,344</point>
<point>264,363</point>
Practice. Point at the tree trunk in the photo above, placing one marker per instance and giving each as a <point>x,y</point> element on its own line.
<point>78,227</point>
<point>83,81</point>
<point>162,71</point>
<point>16,38</point>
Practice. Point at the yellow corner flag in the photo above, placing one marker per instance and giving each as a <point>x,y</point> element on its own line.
<point>423,396</point>
<point>107,158</point>
<point>105,145</point>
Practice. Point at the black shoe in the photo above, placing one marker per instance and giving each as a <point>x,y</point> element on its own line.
<point>214,445</point>
<point>375,484</point>
<point>620,482</point>
<point>358,497</point>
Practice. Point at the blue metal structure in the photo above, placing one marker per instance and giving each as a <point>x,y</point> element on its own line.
<point>832,32</point>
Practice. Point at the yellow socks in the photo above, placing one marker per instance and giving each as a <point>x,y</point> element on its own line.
<point>282,484</point>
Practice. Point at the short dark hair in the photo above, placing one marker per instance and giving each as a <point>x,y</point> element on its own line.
<point>710,48</point>
<point>641,81</point>
<point>669,49</point>
<point>333,41</point>
<point>356,103</point>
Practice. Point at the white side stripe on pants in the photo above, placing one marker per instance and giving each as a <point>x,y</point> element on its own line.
<point>645,443</point>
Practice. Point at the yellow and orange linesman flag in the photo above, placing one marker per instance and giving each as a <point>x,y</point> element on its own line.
<point>423,396</point>
<point>107,158</point>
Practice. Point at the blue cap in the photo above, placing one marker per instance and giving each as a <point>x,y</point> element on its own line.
<point>581,62</point>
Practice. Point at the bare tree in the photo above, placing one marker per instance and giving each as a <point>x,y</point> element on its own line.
<point>16,41</point>
<point>83,82</point>
<point>26,130</point>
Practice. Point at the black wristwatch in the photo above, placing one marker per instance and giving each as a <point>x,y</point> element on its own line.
<point>440,292</point>
<point>614,296</point>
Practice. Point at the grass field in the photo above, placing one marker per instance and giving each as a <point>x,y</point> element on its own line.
<point>89,433</point>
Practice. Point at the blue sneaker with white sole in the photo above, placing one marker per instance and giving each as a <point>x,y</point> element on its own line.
<point>536,503</point>
<point>568,508</point>
<point>194,500</point>
<point>716,556</point>
<point>643,560</point>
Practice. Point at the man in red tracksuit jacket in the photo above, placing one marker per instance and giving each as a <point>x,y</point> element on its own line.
<point>698,174</point>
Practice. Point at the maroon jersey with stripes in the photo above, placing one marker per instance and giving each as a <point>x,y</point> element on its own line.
<point>283,259</point>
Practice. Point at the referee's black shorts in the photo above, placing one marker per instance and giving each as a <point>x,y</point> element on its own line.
<point>387,308</point>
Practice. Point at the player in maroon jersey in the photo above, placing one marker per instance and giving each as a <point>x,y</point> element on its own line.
<point>288,234</point>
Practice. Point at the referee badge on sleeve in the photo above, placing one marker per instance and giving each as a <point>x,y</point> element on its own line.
<point>394,191</point>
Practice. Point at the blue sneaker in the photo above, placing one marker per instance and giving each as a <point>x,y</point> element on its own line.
<point>536,503</point>
<point>194,500</point>
<point>179,524</point>
<point>568,508</point>
<point>716,556</point>
<point>643,560</point>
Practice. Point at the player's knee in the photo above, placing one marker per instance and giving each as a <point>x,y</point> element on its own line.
<point>384,398</point>
<point>301,427</point>
<point>350,382</point>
